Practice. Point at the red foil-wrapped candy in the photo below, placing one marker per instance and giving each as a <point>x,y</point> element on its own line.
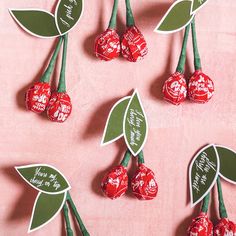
<point>115,182</point>
<point>133,44</point>
<point>59,107</point>
<point>225,227</point>
<point>175,89</point>
<point>37,97</point>
<point>107,45</point>
<point>201,226</point>
<point>144,184</point>
<point>200,87</point>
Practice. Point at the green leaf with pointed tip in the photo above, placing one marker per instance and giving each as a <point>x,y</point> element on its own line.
<point>227,163</point>
<point>114,125</point>
<point>44,178</point>
<point>176,18</point>
<point>197,4</point>
<point>36,22</point>
<point>46,207</point>
<point>68,13</point>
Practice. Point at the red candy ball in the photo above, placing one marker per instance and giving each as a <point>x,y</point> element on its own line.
<point>175,89</point>
<point>59,107</point>
<point>201,226</point>
<point>143,184</point>
<point>200,88</point>
<point>133,45</point>
<point>37,97</point>
<point>225,227</point>
<point>107,45</point>
<point>115,182</point>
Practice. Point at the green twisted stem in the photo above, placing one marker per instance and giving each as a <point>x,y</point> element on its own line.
<point>112,23</point>
<point>48,72</point>
<point>222,209</point>
<point>126,158</point>
<point>141,158</point>
<point>129,14</point>
<point>69,230</point>
<point>205,204</point>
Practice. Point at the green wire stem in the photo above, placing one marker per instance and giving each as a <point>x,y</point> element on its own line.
<point>62,81</point>
<point>222,209</point>
<point>69,230</point>
<point>112,23</point>
<point>47,74</point>
<point>126,158</point>
<point>141,158</point>
<point>129,14</point>
<point>205,204</point>
<point>197,60</point>
<point>77,216</point>
<point>182,57</point>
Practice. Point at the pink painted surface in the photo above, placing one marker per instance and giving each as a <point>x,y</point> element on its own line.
<point>175,134</point>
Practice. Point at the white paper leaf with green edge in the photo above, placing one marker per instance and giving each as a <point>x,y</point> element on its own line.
<point>68,14</point>
<point>46,208</point>
<point>37,22</point>
<point>203,172</point>
<point>227,158</point>
<point>176,18</point>
<point>44,178</point>
<point>197,5</point>
<point>114,125</point>
<point>135,126</point>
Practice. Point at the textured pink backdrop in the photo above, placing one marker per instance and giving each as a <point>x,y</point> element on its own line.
<point>175,134</point>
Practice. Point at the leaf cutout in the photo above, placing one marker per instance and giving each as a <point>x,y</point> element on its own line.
<point>46,208</point>
<point>44,178</point>
<point>135,125</point>
<point>36,22</point>
<point>203,172</point>
<point>227,163</point>
<point>176,18</point>
<point>114,124</point>
<point>68,13</point>
<point>197,4</point>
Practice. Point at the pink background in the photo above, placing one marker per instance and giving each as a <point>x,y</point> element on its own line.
<point>175,133</point>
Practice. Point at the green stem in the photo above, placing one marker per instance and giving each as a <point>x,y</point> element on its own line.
<point>62,81</point>
<point>47,74</point>
<point>77,216</point>
<point>205,204</point>
<point>222,209</point>
<point>141,158</point>
<point>129,14</point>
<point>126,158</point>
<point>182,57</point>
<point>69,230</point>
<point>112,23</point>
<point>197,60</point>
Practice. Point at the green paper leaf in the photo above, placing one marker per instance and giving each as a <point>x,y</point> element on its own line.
<point>114,124</point>
<point>135,125</point>
<point>227,163</point>
<point>176,18</point>
<point>203,172</point>
<point>68,13</point>
<point>36,22</point>
<point>44,178</point>
<point>197,4</point>
<point>46,208</point>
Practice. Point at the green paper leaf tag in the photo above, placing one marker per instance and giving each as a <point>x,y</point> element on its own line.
<point>68,13</point>
<point>44,178</point>
<point>39,23</point>
<point>135,125</point>
<point>203,172</point>
<point>227,163</point>
<point>46,208</point>
<point>177,17</point>
<point>197,4</point>
<point>114,125</point>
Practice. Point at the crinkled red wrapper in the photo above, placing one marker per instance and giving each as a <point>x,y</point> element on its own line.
<point>115,182</point>
<point>144,184</point>
<point>107,45</point>
<point>200,87</point>
<point>59,107</point>
<point>37,97</point>
<point>133,45</point>
<point>201,226</point>
<point>225,227</point>
<point>175,89</point>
